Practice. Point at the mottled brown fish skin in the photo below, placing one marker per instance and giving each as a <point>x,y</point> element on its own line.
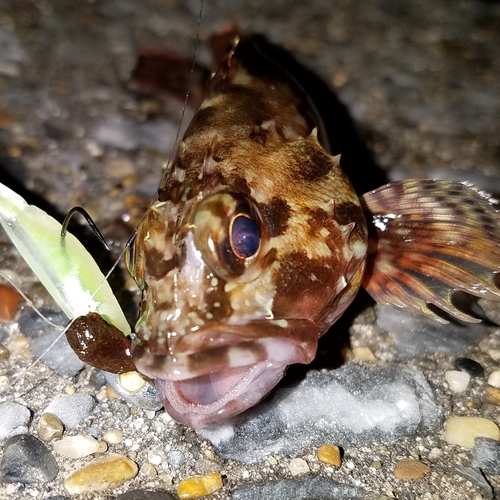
<point>251,149</point>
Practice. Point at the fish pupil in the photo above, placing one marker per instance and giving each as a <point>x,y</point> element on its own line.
<point>245,236</point>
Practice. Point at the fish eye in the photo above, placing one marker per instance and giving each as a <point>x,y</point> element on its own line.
<point>230,235</point>
<point>244,236</point>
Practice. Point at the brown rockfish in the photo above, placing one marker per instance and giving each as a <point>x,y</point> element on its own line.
<point>256,243</point>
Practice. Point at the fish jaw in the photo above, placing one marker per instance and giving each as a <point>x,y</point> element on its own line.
<point>236,390</point>
<point>210,385</point>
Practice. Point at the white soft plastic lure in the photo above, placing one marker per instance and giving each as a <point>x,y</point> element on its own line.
<point>63,265</point>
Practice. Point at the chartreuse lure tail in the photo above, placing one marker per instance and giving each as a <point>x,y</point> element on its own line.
<point>63,265</point>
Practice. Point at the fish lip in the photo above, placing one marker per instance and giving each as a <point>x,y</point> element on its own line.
<point>274,350</point>
<point>223,346</point>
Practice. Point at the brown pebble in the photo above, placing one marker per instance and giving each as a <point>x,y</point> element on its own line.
<point>493,395</point>
<point>330,454</point>
<point>49,427</point>
<point>14,151</point>
<point>410,469</point>
<point>199,486</point>
<point>111,393</point>
<point>102,474</point>
<point>6,120</point>
<point>9,300</point>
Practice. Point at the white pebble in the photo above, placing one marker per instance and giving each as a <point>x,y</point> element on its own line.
<point>435,453</point>
<point>155,457</point>
<point>131,381</point>
<point>463,430</point>
<point>79,446</point>
<point>494,379</point>
<point>457,380</point>
<point>298,467</point>
<point>113,436</point>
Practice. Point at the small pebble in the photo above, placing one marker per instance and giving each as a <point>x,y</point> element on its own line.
<point>435,453</point>
<point>27,460</point>
<point>101,474</point>
<point>113,436</point>
<point>176,459</point>
<point>167,479</point>
<point>467,365</point>
<point>6,119</point>
<point>494,379</point>
<point>134,390</point>
<point>79,446</point>
<point>363,354</point>
<point>494,354</point>
<point>111,393</point>
<point>330,454</point>
<point>298,467</point>
<point>463,430</point>
<point>148,469</point>
<point>486,455</point>
<point>73,409</point>
<point>14,419</point>
<point>97,379</point>
<point>409,469</point>
<point>199,486</point>
<point>457,380</point>
<point>49,427</point>
<point>493,395</point>
<point>19,345</point>
<point>9,301</point>
<point>4,352</point>
<point>156,456</point>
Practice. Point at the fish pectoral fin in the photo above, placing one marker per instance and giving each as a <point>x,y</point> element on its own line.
<point>428,240</point>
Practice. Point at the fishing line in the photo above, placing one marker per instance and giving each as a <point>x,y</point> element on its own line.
<point>28,300</point>
<point>190,81</point>
<point>49,347</point>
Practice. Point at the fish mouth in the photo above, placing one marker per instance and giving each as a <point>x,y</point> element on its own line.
<point>203,386</point>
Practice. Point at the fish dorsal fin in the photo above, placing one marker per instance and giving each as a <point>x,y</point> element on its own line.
<point>428,240</point>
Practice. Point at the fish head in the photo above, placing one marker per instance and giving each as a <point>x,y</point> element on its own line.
<point>237,286</point>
